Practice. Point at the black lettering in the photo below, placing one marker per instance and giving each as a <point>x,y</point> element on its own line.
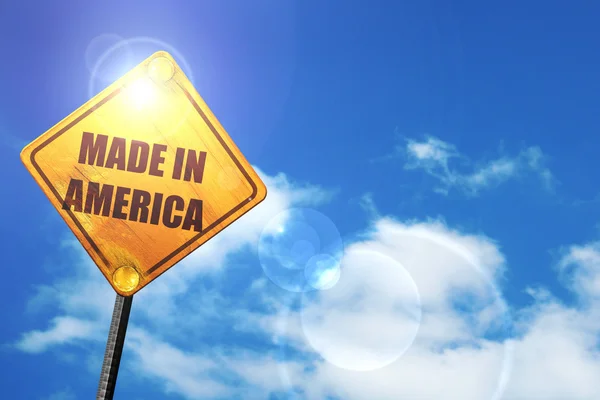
<point>140,200</point>
<point>116,154</point>
<point>179,154</point>
<point>92,152</point>
<point>169,220</point>
<point>133,163</point>
<point>99,200</point>
<point>120,202</point>
<point>195,166</point>
<point>154,218</point>
<point>193,216</point>
<point>156,160</point>
<point>74,195</point>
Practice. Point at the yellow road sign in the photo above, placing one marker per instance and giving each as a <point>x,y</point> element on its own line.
<point>143,174</point>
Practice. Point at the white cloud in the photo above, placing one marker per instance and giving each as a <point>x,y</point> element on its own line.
<point>435,157</point>
<point>366,322</point>
<point>459,351</point>
<point>367,203</point>
<point>63,330</point>
<point>179,372</point>
<point>553,356</point>
<point>557,357</point>
<point>216,373</point>
<point>432,150</point>
<point>66,394</point>
<point>580,267</point>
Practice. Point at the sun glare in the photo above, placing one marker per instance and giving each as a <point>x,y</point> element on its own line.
<point>141,92</point>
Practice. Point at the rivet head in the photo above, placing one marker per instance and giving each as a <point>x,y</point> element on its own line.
<point>126,278</point>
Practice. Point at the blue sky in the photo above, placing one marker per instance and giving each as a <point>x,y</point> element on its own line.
<point>451,147</point>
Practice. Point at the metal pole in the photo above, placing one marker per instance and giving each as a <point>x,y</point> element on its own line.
<point>114,348</point>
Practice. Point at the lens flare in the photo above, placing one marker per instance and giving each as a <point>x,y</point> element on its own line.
<point>351,324</point>
<point>374,317</point>
<point>322,271</point>
<point>112,67</point>
<point>300,250</point>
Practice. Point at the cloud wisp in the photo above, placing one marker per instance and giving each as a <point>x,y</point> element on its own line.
<point>454,171</point>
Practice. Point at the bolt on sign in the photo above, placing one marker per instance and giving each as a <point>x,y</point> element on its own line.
<point>143,174</point>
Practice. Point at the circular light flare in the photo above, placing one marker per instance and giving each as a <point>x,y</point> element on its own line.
<point>297,247</point>
<point>322,271</point>
<point>366,291</point>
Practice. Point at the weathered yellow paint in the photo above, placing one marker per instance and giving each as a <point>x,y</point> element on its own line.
<point>154,103</point>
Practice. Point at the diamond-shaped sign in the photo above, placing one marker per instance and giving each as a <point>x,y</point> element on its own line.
<point>143,174</point>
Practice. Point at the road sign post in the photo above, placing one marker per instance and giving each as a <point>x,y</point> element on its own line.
<point>114,348</point>
<point>143,174</point>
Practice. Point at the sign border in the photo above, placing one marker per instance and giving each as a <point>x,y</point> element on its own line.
<point>181,248</point>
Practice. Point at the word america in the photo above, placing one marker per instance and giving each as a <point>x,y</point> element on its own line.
<point>108,201</point>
